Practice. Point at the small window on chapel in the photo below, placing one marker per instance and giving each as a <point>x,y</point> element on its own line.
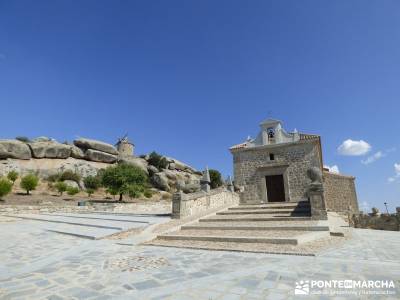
<point>271,156</point>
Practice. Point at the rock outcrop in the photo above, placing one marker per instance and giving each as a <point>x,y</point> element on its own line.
<point>99,156</point>
<point>136,161</point>
<point>72,184</point>
<point>46,157</point>
<point>50,150</point>
<point>160,181</point>
<point>45,167</point>
<point>14,149</point>
<point>77,152</point>
<point>95,145</point>
<point>174,164</point>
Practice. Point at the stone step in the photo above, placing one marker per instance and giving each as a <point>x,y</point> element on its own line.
<point>292,239</point>
<point>231,239</point>
<point>263,211</point>
<point>255,227</point>
<point>270,206</point>
<point>238,233</point>
<point>272,223</point>
<point>253,219</point>
<point>240,247</point>
<point>277,203</point>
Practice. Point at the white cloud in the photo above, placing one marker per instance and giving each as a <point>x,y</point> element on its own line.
<point>373,158</point>
<point>377,155</point>
<point>397,173</point>
<point>354,148</point>
<point>333,169</point>
<point>397,169</point>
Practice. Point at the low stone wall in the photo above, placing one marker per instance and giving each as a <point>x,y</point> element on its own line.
<point>380,222</point>
<point>340,193</point>
<point>184,205</point>
<point>147,208</point>
<point>36,209</point>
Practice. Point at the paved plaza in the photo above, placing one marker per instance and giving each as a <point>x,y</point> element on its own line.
<point>39,264</point>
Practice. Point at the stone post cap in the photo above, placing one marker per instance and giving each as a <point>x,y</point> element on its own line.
<point>229,181</point>
<point>206,176</point>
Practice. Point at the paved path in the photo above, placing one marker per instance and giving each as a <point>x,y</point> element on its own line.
<point>38,264</point>
<point>91,225</point>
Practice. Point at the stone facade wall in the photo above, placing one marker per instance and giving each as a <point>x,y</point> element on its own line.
<point>251,165</point>
<point>340,192</point>
<point>184,205</point>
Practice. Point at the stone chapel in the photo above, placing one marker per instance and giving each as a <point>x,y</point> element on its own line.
<point>273,168</point>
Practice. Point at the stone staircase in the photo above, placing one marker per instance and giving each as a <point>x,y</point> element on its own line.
<point>282,223</point>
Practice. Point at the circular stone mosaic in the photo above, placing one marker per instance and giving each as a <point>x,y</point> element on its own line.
<point>135,263</point>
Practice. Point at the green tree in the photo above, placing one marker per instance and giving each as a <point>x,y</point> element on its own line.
<point>12,175</point>
<point>157,160</point>
<point>90,192</point>
<point>135,190</point>
<point>72,190</point>
<point>121,177</point>
<point>92,182</point>
<point>215,178</point>
<point>61,187</point>
<point>29,182</point>
<point>5,187</point>
<point>112,192</point>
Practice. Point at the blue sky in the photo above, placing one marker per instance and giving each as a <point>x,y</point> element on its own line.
<point>191,78</point>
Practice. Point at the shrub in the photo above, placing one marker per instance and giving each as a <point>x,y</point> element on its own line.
<point>148,193</point>
<point>61,187</point>
<point>92,182</point>
<point>157,160</point>
<point>23,139</point>
<point>119,178</point>
<point>5,187</point>
<point>72,190</point>
<point>166,196</point>
<point>13,175</point>
<point>215,178</point>
<point>53,178</point>
<point>69,175</point>
<point>29,182</point>
<point>90,192</point>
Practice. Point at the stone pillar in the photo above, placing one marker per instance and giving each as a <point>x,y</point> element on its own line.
<point>177,204</point>
<point>205,181</point>
<point>317,203</point>
<point>229,184</point>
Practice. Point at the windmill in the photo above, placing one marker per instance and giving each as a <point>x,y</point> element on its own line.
<point>124,146</point>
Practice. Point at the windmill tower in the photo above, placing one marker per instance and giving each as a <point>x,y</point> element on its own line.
<point>125,147</point>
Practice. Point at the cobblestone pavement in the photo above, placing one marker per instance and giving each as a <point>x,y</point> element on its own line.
<point>37,264</point>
